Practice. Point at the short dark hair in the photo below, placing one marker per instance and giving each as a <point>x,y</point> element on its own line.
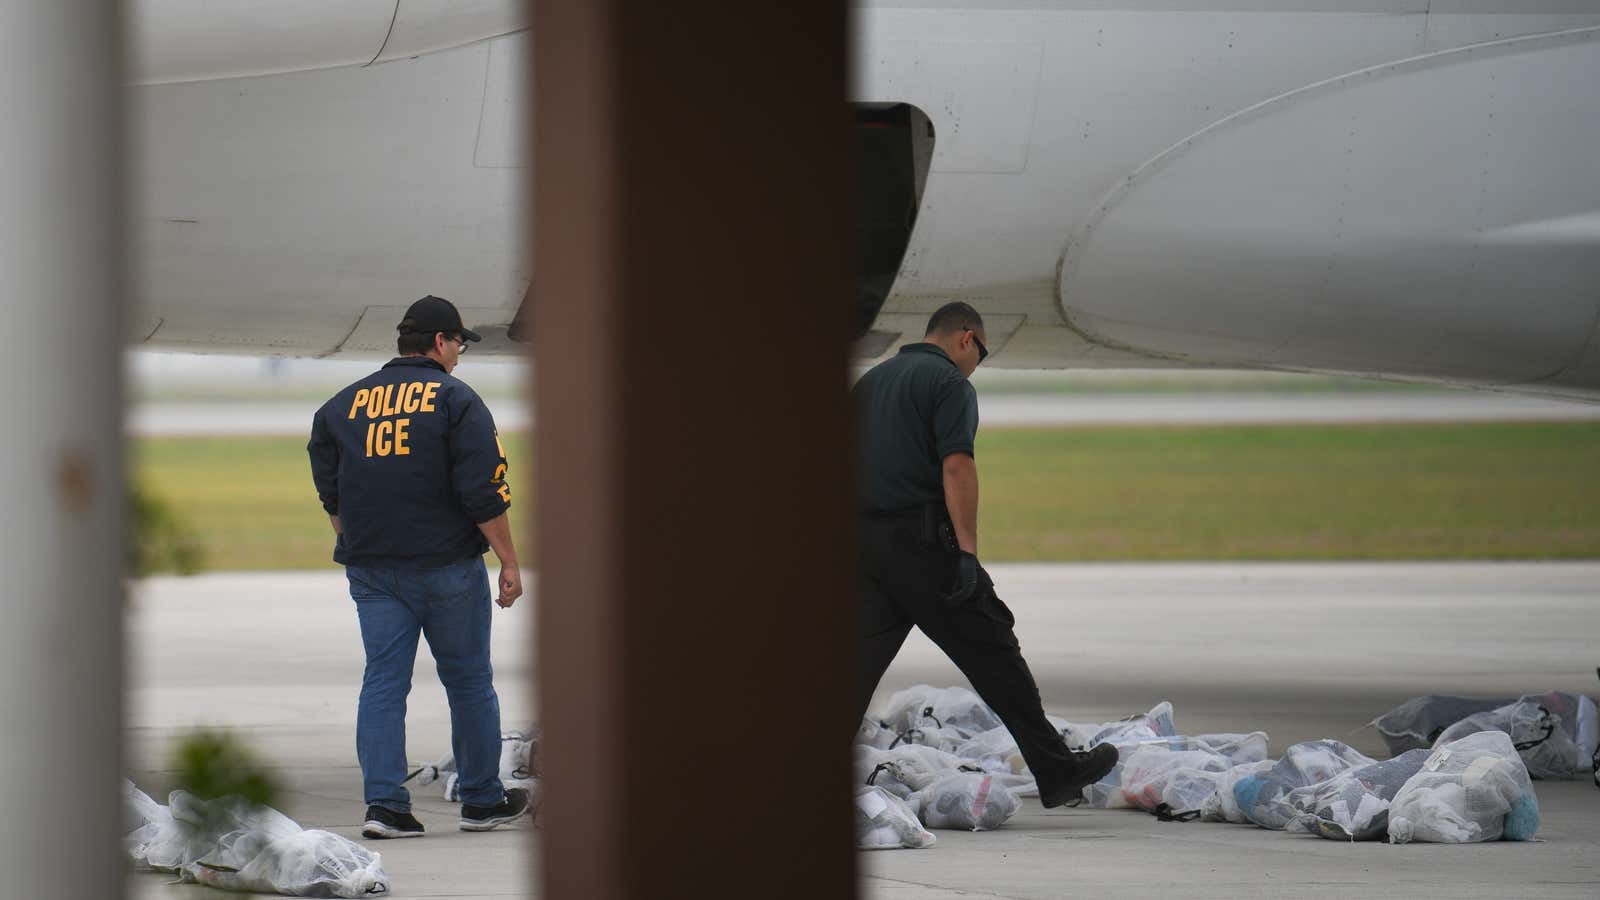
<point>416,343</point>
<point>953,317</point>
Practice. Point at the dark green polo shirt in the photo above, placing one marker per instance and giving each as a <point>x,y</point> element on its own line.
<point>912,410</point>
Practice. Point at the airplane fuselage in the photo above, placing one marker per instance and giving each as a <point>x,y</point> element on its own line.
<point>1383,187</point>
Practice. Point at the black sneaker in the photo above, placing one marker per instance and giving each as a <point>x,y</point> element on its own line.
<point>1089,766</point>
<point>486,818</point>
<point>383,823</point>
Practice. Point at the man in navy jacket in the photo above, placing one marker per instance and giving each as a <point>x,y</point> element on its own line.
<point>410,469</point>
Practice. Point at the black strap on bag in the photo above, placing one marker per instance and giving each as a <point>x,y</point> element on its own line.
<point>906,737</point>
<point>1164,813</point>
<point>1549,725</point>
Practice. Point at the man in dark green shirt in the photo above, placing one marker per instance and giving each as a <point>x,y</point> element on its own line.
<point>918,500</point>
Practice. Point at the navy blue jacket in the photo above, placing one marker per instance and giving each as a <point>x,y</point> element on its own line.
<point>409,460</point>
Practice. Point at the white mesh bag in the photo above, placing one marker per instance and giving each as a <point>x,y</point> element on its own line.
<point>153,830</point>
<point>885,822</point>
<point>874,733</point>
<point>1236,748</point>
<point>187,832</point>
<point>929,735</point>
<point>520,766</point>
<point>994,750</point>
<point>1353,805</point>
<point>1264,797</point>
<point>1470,790</point>
<point>968,801</point>
<point>924,706</point>
<point>1418,722</point>
<point>1127,735</point>
<point>1221,806</point>
<point>257,848</point>
<point>1157,723</point>
<point>297,863</point>
<point>1542,737</point>
<point>1557,733</point>
<point>903,769</point>
<point>1149,771</point>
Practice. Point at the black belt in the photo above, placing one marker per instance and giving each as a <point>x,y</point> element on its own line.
<point>893,515</point>
<point>930,521</point>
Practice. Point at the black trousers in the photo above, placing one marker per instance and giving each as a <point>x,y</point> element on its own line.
<point>902,576</point>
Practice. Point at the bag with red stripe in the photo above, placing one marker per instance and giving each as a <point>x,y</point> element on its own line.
<point>969,801</point>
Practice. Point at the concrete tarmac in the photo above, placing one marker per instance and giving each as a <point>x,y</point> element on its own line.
<point>1298,650</point>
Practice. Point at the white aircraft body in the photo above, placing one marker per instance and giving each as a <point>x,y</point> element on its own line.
<point>1401,188</point>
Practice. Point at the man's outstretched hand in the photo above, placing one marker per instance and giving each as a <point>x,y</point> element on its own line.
<point>510,586</point>
<point>966,581</point>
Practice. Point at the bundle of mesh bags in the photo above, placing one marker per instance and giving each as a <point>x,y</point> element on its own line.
<point>941,790</point>
<point>1161,771</point>
<point>905,754</point>
<point>1557,734</point>
<point>1460,771</point>
<point>235,845</point>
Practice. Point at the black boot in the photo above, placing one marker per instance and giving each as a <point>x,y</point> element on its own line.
<point>1088,767</point>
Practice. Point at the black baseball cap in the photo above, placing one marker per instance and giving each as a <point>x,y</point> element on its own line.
<point>431,314</point>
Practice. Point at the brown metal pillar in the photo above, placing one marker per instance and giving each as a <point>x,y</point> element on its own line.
<point>696,601</point>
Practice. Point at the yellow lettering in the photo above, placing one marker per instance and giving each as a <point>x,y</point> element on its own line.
<point>409,393</point>
<point>505,492</point>
<point>375,403</point>
<point>370,427</point>
<point>499,474</point>
<point>400,448</point>
<point>499,446</point>
<point>382,443</point>
<point>361,399</point>
<point>389,407</point>
<point>427,396</point>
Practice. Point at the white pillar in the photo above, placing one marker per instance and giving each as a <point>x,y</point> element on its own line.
<point>61,550</point>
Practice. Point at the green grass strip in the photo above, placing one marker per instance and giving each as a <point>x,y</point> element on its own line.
<point>1478,491</point>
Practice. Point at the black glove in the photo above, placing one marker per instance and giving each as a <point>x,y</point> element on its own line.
<point>966,582</point>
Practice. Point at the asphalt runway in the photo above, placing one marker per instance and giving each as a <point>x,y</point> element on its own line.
<point>285,417</point>
<point>1299,650</point>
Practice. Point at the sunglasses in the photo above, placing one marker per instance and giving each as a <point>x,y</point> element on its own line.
<point>983,352</point>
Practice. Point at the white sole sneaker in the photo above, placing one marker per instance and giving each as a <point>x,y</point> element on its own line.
<point>492,823</point>
<point>378,831</point>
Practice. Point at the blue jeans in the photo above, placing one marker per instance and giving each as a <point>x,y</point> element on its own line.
<point>451,605</point>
